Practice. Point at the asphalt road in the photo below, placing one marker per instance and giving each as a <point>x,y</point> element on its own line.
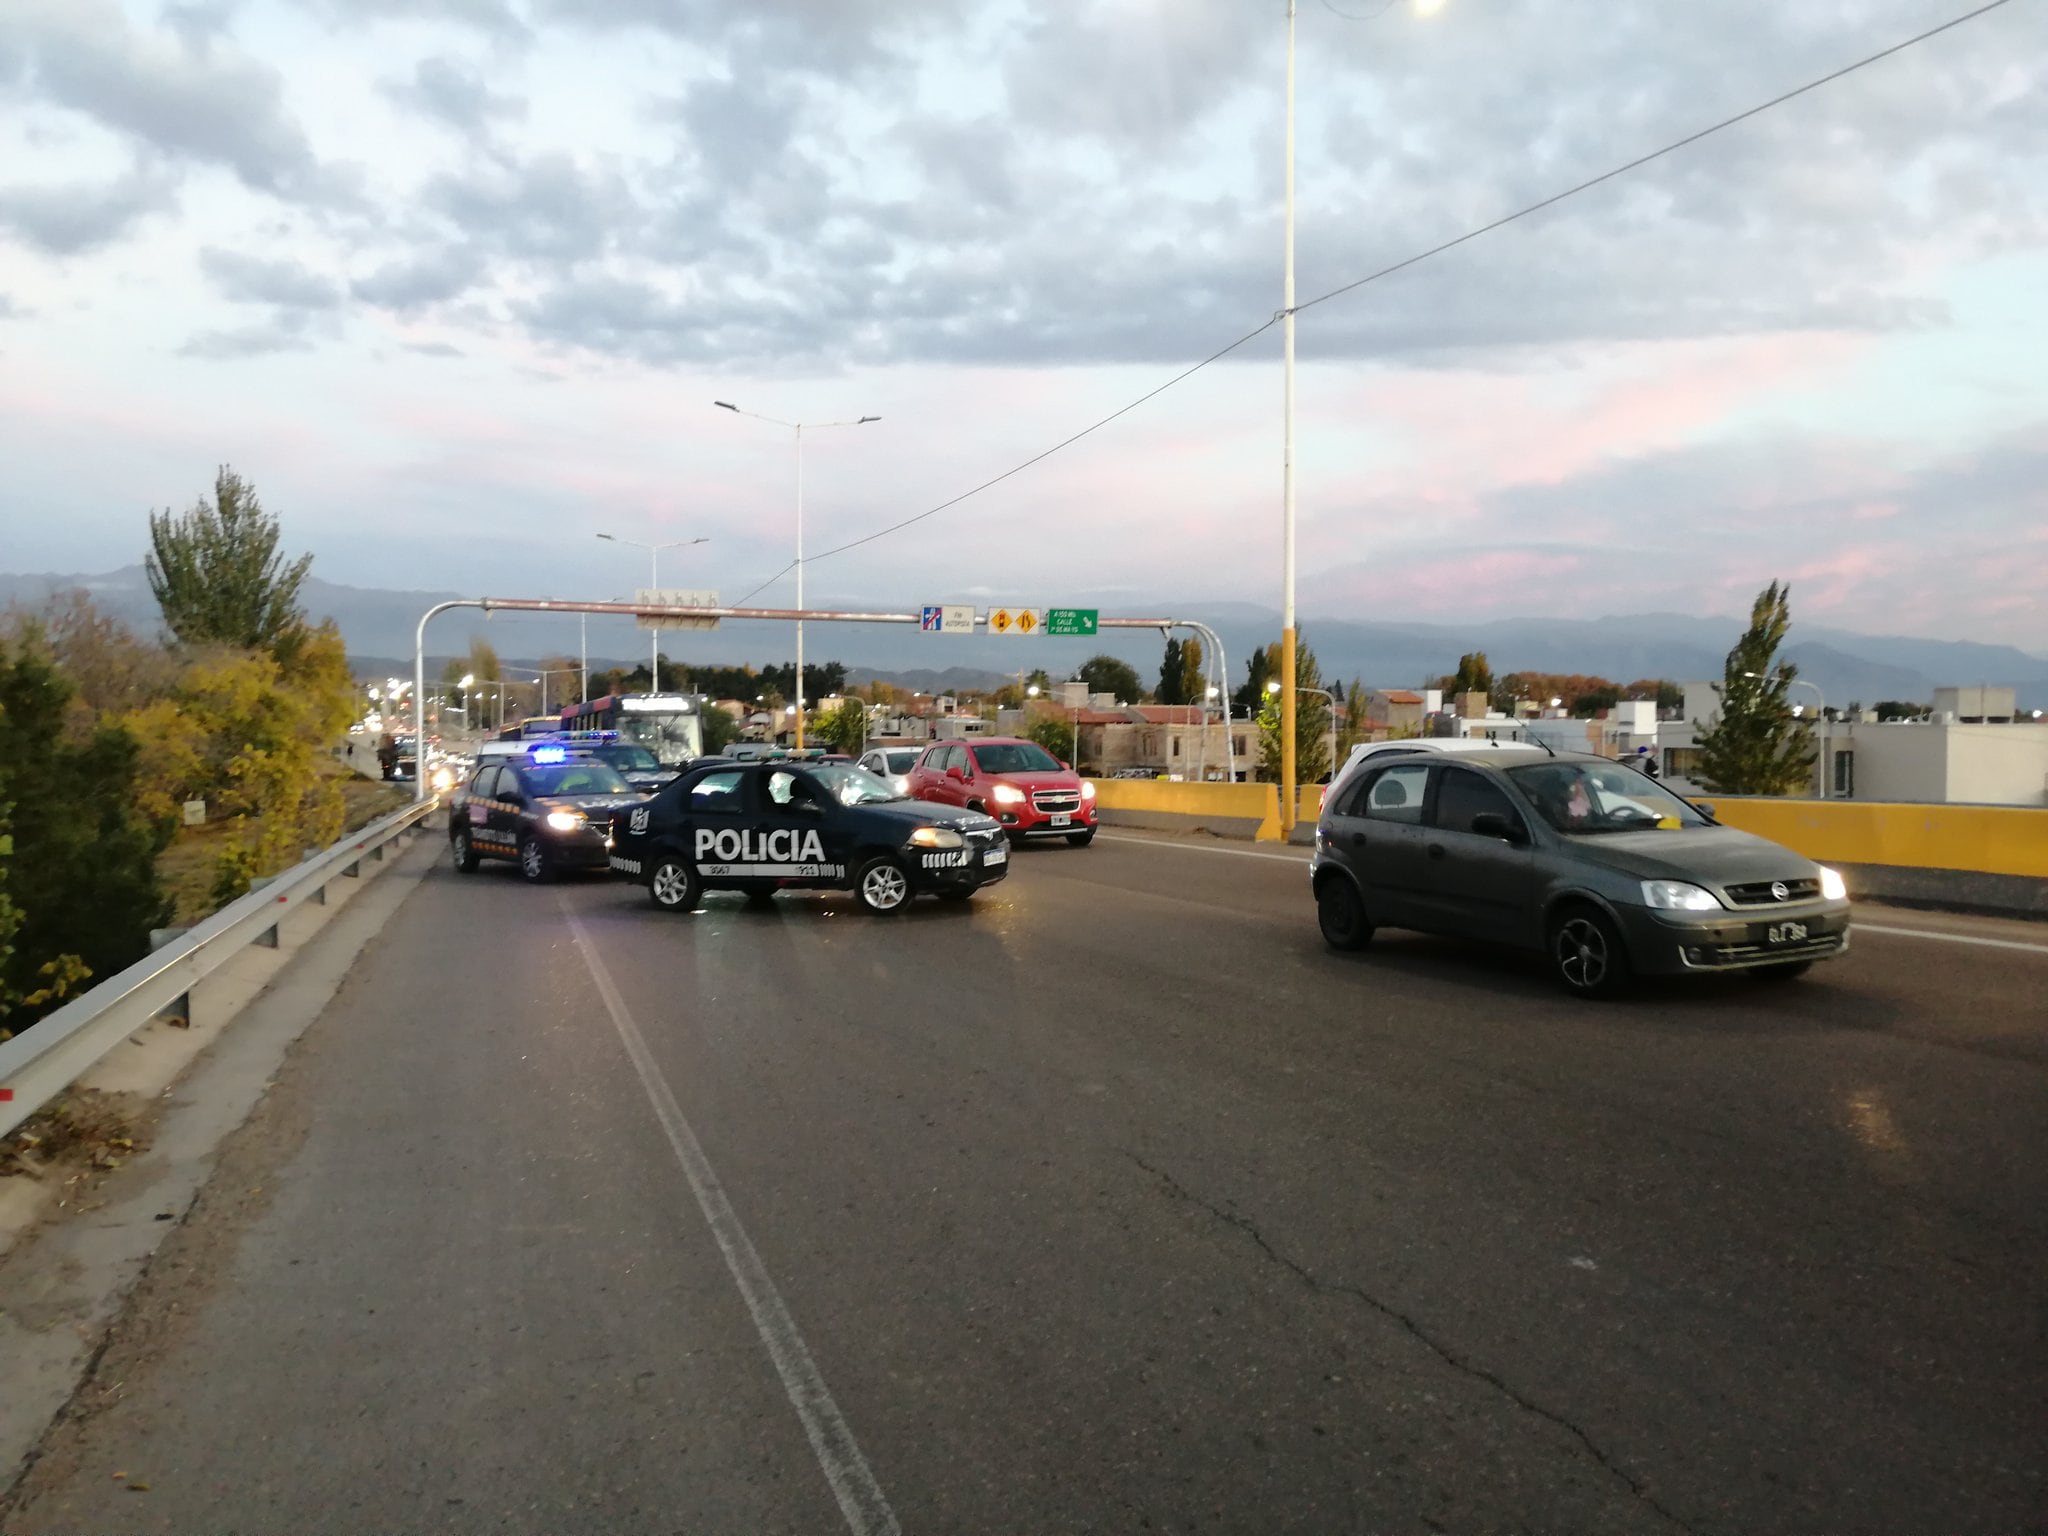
<point>1111,1203</point>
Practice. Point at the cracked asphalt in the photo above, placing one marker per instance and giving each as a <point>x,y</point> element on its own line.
<point>1111,1203</point>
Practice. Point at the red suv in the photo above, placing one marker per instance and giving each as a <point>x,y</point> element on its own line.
<point>1031,792</point>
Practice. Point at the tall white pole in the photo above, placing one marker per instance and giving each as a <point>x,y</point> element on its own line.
<point>799,586</point>
<point>653,631</point>
<point>583,623</point>
<point>1289,794</point>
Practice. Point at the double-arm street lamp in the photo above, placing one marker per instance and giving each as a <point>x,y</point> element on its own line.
<point>654,587</point>
<point>799,428</point>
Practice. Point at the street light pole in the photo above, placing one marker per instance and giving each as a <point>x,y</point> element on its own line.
<point>1826,739</point>
<point>1289,793</point>
<point>654,586</point>
<point>797,427</point>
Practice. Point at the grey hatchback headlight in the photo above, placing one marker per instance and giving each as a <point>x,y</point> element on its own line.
<point>1677,896</point>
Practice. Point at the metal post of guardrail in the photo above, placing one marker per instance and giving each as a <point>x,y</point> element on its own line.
<point>47,1057</point>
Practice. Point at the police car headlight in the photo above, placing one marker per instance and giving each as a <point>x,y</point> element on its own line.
<point>1677,896</point>
<point>1007,794</point>
<point>565,821</point>
<point>936,837</point>
<point>1087,790</point>
<point>1832,886</point>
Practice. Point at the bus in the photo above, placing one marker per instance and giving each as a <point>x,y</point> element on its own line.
<point>670,725</point>
<point>532,728</point>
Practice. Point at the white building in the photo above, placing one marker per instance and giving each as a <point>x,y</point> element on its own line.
<point>1948,759</point>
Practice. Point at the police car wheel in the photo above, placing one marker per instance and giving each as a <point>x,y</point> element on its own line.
<point>881,886</point>
<point>533,860</point>
<point>463,852</point>
<point>672,885</point>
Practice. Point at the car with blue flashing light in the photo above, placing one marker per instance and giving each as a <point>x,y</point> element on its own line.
<point>547,809</point>
<point>1598,867</point>
<point>761,828</point>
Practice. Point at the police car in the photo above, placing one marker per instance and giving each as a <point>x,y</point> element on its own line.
<point>764,827</point>
<point>549,808</point>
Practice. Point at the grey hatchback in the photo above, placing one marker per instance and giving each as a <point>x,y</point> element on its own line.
<point>1599,867</point>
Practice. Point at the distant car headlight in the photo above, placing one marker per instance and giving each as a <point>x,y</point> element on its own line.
<point>900,784</point>
<point>566,821</point>
<point>1677,896</point>
<point>1832,886</point>
<point>1007,794</point>
<point>937,837</point>
<point>1087,790</point>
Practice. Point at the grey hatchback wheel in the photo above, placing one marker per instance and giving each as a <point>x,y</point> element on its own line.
<point>1586,953</point>
<point>1341,915</point>
<point>881,886</point>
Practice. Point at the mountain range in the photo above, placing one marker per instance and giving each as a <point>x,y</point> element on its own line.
<point>379,624</point>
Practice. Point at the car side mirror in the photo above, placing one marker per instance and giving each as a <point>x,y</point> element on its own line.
<point>1494,824</point>
<point>1068,766</point>
<point>955,772</point>
<point>1705,808</point>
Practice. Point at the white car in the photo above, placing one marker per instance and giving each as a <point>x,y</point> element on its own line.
<point>1376,751</point>
<point>893,764</point>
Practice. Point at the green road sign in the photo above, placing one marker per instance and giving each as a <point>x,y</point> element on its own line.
<point>1071,621</point>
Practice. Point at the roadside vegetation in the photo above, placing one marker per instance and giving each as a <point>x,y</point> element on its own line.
<point>145,782</point>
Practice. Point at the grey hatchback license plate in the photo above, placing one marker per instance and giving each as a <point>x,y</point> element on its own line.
<point>1785,933</point>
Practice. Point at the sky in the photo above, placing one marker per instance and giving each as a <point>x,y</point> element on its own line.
<point>455,284</point>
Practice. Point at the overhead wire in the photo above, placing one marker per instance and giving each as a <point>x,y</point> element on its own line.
<point>1400,266</point>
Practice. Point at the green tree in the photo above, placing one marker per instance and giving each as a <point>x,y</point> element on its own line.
<point>720,729</point>
<point>80,872</point>
<point>846,727</point>
<point>1105,674</point>
<point>1473,674</point>
<point>1260,668</point>
<point>217,575</point>
<point>1900,709</point>
<point>1039,680</point>
<point>1194,687</point>
<point>1351,721</point>
<point>1055,733</point>
<point>1757,746</point>
<point>1171,689</point>
<point>1311,722</point>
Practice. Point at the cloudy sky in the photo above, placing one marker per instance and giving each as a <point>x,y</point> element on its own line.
<point>455,282</point>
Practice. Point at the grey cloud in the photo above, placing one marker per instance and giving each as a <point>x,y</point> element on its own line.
<point>739,133</point>
<point>287,332</point>
<point>496,19</point>
<point>9,310</point>
<point>201,22</point>
<point>454,93</point>
<point>836,39</point>
<point>213,105</point>
<point>433,349</point>
<point>415,282</point>
<point>547,208</point>
<point>67,219</point>
<point>263,280</point>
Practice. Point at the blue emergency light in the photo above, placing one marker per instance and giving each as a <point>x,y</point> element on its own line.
<point>549,754</point>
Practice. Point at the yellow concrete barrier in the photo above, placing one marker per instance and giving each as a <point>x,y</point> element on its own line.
<point>1200,803</point>
<point>1986,839</point>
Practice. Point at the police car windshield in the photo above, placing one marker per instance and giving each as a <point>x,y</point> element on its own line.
<point>1016,757</point>
<point>1602,797</point>
<point>850,786</point>
<point>578,778</point>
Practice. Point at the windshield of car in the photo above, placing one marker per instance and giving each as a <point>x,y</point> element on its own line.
<point>1602,797</point>
<point>584,778</point>
<point>629,759</point>
<point>1016,757</point>
<point>849,786</point>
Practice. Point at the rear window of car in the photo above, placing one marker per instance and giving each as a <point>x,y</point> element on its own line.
<point>1462,794</point>
<point>1016,757</point>
<point>1395,794</point>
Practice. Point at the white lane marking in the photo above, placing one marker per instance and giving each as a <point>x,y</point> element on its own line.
<point>853,1482</point>
<point>1857,926</point>
<point>1236,853</point>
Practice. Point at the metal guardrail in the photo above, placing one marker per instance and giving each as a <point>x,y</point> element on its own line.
<point>41,1062</point>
